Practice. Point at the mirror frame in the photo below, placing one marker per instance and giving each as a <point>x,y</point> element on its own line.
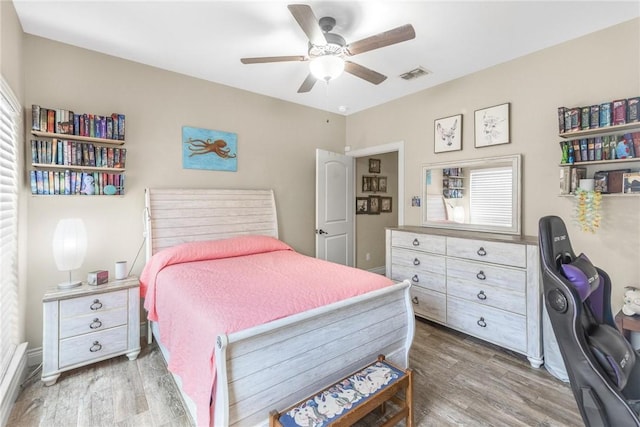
<point>515,162</point>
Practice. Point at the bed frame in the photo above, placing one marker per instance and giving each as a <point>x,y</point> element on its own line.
<point>274,365</point>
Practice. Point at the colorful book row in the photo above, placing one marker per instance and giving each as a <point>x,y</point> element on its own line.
<point>614,113</point>
<point>67,122</point>
<point>75,153</point>
<point>69,182</point>
<point>611,147</point>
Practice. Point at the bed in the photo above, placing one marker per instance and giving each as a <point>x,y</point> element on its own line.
<point>277,362</point>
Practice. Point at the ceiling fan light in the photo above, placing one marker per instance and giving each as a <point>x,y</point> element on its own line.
<point>326,67</point>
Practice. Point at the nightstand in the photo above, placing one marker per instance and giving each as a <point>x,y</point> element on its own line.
<point>87,324</point>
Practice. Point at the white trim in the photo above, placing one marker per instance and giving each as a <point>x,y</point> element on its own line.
<point>382,149</point>
<point>10,387</point>
<point>377,270</point>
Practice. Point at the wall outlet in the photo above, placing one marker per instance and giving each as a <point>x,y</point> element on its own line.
<point>367,257</point>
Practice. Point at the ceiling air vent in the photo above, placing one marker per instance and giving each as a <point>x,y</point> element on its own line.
<point>415,73</point>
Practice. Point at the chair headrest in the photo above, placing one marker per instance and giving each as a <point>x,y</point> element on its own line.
<point>583,276</point>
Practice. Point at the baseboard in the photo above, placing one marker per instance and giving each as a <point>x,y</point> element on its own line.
<point>10,386</point>
<point>378,270</point>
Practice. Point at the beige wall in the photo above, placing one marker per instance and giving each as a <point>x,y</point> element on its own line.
<point>276,143</point>
<point>11,48</point>
<point>596,68</point>
<point>276,149</point>
<point>370,228</point>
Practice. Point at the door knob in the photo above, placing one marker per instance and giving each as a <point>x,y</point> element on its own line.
<point>321,231</point>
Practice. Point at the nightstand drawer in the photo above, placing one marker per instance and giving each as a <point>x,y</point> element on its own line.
<point>92,304</point>
<point>92,346</point>
<point>92,322</point>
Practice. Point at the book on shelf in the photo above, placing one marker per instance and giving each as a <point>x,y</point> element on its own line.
<point>619,112</point>
<point>600,179</point>
<point>67,122</point>
<point>74,182</point>
<point>577,173</point>
<point>633,109</point>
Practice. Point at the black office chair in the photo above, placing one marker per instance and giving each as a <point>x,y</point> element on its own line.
<point>603,368</point>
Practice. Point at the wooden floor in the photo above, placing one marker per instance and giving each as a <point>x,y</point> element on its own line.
<point>458,381</point>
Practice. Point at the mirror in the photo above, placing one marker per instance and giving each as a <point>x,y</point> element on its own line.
<point>477,195</point>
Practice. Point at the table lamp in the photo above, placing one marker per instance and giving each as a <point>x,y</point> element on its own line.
<point>69,248</point>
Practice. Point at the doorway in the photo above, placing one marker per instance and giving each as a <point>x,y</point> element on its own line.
<point>380,192</point>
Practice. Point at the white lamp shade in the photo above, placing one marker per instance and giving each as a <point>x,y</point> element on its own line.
<point>69,244</point>
<point>326,67</point>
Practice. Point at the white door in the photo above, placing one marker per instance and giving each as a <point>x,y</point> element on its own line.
<point>334,207</point>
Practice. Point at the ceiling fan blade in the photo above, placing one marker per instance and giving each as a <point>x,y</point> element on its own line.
<point>308,22</point>
<point>364,73</point>
<point>307,84</point>
<point>262,60</point>
<point>396,35</point>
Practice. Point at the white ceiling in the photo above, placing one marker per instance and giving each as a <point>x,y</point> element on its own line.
<point>206,39</point>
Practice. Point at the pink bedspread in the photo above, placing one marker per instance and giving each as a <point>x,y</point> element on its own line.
<point>197,291</point>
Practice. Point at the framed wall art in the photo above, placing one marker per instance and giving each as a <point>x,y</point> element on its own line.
<point>492,126</point>
<point>374,205</point>
<point>385,204</point>
<point>209,149</point>
<point>382,184</point>
<point>362,205</point>
<point>374,165</point>
<point>447,134</point>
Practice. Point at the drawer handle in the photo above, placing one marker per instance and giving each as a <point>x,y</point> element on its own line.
<point>481,251</point>
<point>415,300</point>
<point>416,261</point>
<point>415,279</point>
<point>481,295</point>
<point>95,324</point>
<point>482,323</point>
<point>416,242</point>
<point>97,305</point>
<point>481,275</point>
<point>95,347</point>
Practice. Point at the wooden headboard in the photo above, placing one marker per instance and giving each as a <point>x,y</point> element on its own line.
<point>175,216</point>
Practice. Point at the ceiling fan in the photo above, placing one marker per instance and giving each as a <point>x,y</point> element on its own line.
<point>328,52</point>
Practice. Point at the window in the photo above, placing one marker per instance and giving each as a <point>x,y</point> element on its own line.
<point>490,196</point>
<point>10,113</point>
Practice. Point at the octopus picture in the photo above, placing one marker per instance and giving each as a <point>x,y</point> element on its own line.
<point>201,146</point>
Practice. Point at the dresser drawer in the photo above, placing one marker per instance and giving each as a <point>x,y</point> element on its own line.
<point>419,278</point>
<point>92,346</point>
<point>92,304</point>
<point>486,251</point>
<point>481,274</point>
<point>485,294</point>
<point>429,304</point>
<point>93,322</point>
<point>418,261</point>
<point>418,241</point>
<point>498,326</point>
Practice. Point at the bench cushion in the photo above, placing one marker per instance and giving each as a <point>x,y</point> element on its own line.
<point>329,405</point>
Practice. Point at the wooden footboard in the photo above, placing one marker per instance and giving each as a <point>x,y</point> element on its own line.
<point>274,365</point>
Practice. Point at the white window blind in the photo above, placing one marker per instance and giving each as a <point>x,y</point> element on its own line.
<point>490,192</point>
<point>10,113</point>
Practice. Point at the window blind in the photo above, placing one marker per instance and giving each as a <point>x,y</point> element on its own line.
<point>490,192</point>
<point>10,113</point>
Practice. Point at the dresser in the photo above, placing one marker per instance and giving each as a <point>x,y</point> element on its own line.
<point>90,323</point>
<point>485,285</point>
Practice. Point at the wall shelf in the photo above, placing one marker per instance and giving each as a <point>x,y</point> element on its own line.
<point>608,130</point>
<point>78,138</point>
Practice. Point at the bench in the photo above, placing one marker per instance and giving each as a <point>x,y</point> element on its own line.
<point>352,398</point>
